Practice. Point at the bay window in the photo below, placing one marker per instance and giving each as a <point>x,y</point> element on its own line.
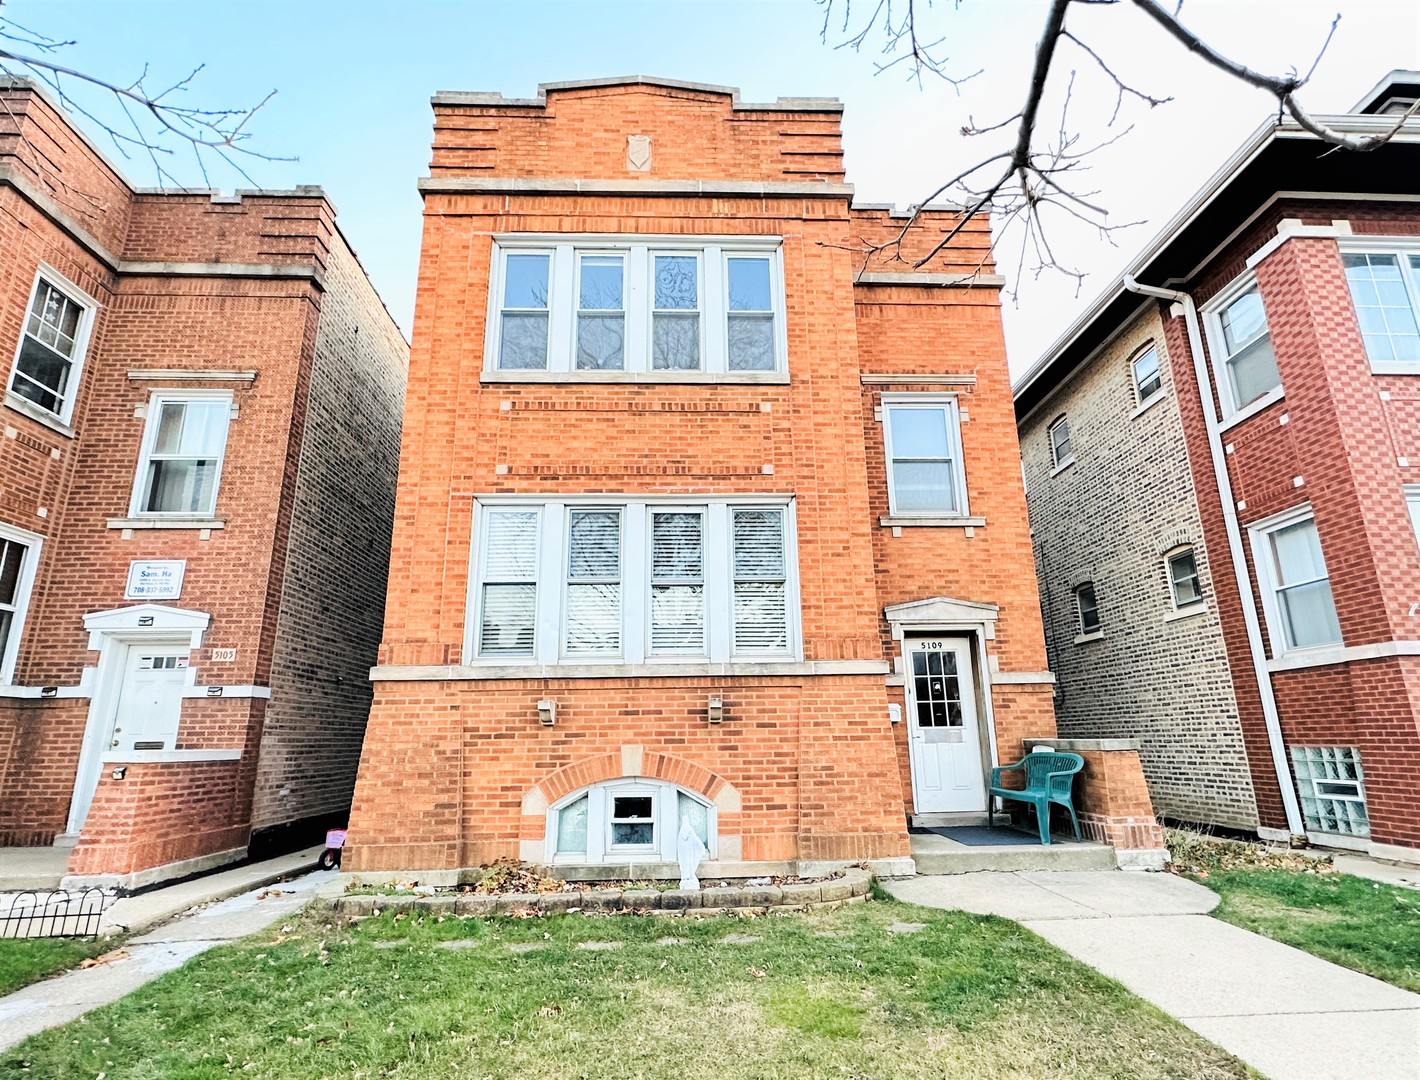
<point>1385,289</point>
<point>599,308</point>
<point>581,580</point>
<point>1242,348</point>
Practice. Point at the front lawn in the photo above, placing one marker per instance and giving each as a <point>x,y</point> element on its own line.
<point>27,960</point>
<point>856,992</point>
<point>1302,902</point>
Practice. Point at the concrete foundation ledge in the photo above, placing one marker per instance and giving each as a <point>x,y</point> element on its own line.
<point>155,874</point>
<point>1142,858</point>
<point>712,870</point>
<point>850,886</point>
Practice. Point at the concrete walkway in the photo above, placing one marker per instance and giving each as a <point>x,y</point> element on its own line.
<point>1285,1012</point>
<point>56,1001</point>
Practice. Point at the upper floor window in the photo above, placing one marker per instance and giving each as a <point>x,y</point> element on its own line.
<point>619,304</point>
<point>1385,289</point>
<point>19,553</point>
<point>51,350</point>
<point>1412,504</point>
<point>1088,609</point>
<point>922,438</point>
<point>1243,345</point>
<point>635,581</point>
<point>1061,452</point>
<point>1296,588</point>
<point>180,465</point>
<point>1184,584</point>
<point>1148,378</point>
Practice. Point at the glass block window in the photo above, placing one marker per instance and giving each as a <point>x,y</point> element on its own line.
<point>1333,789</point>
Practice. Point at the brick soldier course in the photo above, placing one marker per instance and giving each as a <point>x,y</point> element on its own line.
<point>1287,328</point>
<point>647,572</point>
<point>204,386</point>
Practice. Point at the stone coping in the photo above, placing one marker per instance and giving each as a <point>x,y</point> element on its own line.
<point>1081,746</point>
<point>850,887</point>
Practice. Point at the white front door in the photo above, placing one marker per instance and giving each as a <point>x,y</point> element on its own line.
<point>142,716</point>
<point>944,736</point>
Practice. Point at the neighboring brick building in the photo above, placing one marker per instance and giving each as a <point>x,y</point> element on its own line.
<point>196,493</point>
<point>1288,320</point>
<point>649,563</point>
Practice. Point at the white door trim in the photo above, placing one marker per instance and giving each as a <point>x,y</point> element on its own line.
<point>961,645</point>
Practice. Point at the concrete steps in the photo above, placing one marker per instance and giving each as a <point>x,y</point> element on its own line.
<point>937,855</point>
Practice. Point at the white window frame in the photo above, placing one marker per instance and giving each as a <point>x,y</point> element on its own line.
<point>24,587</point>
<point>666,811</point>
<point>638,299</point>
<point>568,654</point>
<point>1057,463</point>
<point>89,310</point>
<point>1140,398</point>
<point>948,405</point>
<point>1260,536</point>
<point>1403,248</point>
<point>1169,557</point>
<point>551,604</point>
<point>1412,504</point>
<point>150,435</point>
<point>1087,633</point>
<point>1233,412</point>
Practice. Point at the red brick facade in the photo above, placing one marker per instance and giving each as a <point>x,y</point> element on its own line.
<point>804,763</point>
<point>256,299</point>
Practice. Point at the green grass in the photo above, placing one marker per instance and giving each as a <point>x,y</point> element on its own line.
<point>1350,921</point>
<point>27,960</point>
<point>828,994</point>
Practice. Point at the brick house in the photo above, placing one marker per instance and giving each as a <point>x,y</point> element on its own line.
<point>201,431</point>
<point>1222,458</point>
<point>696,524</point>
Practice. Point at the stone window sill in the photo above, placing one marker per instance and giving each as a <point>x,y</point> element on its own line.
<point>1186,613</point>
<point>717,378</point>
<point>1093,635</point>
<point>1062,466</point>
<point>944,521</point>
<point>1148,404</point>
<point>1247,412</point>
<point>40,416</point>
<point>166,523</point>
<point>156,757</point>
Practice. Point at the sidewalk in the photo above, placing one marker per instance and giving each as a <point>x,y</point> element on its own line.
<point>56,1001</point>
<point>1285,1012</point>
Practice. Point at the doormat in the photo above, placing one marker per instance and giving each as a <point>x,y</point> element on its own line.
<point>981,836</point>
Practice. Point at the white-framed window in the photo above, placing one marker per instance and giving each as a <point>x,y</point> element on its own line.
<point>1147,376</point>
<point>1087,608</point>
<point>634,819</point>
<point>1185,587</point>
<point>922,440</point>
<point>1296,590</point>
<point>1412,504</point>
<point>50,354</point>
<point>1385,289</point>
<point>19,558</point>
<point>1241,344</point>
<point>180,463</point>
<point>1061,452</point>
<point>586,580</point>
<point>584,306</point>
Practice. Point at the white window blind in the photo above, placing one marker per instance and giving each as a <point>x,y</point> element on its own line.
<point>760,606</point>
<point>593,623</point>
<point>678,582</point>
<point>509,588</point>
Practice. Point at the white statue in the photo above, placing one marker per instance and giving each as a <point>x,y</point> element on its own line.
<point>689,852</point>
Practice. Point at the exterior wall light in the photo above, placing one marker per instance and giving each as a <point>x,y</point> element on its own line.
<point>715,710</point>
<point>120,772</point>
<point>547,712</point>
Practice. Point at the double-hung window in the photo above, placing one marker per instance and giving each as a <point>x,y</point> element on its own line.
<point>1088,609</point>
<point>584,307</point>
<point>1296,586</point>
<point>638,582</point>
<point>922,436</point>
<point>1148,379</point>
<point>1061,452</point>
<point>51,350</point>
<point>1243,346</point>
<point>1184,584</point>
<point>181,465</point>
<point>1385,288</point>
<point>19,552</point>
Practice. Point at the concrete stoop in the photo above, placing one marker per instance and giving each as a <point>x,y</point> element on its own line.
<point>935,855</point>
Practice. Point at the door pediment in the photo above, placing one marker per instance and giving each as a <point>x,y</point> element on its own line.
<point>942,613</point>
<point>139,620</point>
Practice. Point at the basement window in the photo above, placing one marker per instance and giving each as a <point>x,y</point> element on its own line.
<point>627,820</point>
<point>1332,788</point>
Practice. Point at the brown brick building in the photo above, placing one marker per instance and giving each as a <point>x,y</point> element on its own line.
<point>1283,303</point>
<point>199,446</point>
<point>687,502</point>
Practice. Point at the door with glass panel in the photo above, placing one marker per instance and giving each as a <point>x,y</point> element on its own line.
<point>944,736</point>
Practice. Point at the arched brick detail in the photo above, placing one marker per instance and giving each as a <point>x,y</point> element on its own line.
<point>593,770</point>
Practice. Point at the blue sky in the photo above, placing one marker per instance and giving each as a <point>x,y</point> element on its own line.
<point>354,80</point>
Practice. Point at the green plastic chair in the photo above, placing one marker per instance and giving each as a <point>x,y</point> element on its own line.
<point>1049,779</point>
